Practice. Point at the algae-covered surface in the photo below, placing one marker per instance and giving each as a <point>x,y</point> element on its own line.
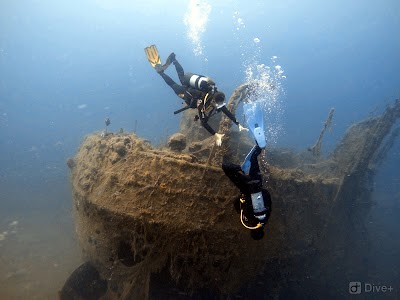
<point>148,215</point>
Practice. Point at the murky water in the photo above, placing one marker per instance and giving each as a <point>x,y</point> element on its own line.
<point>38,249</point>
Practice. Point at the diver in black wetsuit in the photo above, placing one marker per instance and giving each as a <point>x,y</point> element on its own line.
<point>254,201</point>
<point>198,92</point>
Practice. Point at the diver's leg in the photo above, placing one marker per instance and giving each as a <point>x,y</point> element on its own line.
<point>176,87</point>
<point>179,71</point>
<point>254,167</point>
<point>170,59</point>
<point>234,173</point>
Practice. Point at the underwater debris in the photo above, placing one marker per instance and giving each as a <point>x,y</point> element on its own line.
<point>103,134</point>
<point>382,152</point>
<point>174,214</point>
<point>71,163</point>
<point>177,142</point>
<point>364,141</point>
<point>84,283</point>
<point>120,148</point>
<point>316,149</point>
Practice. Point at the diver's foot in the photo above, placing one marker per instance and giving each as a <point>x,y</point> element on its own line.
<point>257,149</point>
<point>159,68</point>
<point>170,59</point>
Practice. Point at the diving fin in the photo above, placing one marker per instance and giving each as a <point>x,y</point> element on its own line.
<point>152,55</point>
<point>247,161</point>
<point>255,122</point>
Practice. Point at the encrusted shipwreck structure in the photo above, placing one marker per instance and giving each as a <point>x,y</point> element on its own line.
<point>160,223</point>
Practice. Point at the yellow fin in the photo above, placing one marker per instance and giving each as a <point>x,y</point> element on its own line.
<point>152,55</point>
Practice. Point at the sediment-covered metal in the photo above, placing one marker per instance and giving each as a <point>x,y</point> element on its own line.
<point>141,210</point>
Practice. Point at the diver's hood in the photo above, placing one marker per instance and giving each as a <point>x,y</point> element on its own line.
<point>219,99</point>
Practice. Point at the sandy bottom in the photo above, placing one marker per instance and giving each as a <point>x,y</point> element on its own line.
<point>38,249</point>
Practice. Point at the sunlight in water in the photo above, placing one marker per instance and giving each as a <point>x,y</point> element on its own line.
<point>195,20</point>
<point>265,78</point>
<point>267,91</point>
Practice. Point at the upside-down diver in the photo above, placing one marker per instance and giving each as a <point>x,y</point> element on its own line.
<point>254,202</point>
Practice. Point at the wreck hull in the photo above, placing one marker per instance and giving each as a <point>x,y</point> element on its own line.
<point>157,209</point>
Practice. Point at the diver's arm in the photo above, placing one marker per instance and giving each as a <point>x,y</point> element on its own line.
<point>232,117</point>
<point>229,114</point>
<point>207,127</point>
<point>218,136</point>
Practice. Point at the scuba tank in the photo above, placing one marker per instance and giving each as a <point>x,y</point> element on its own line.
<point>259,209</point>
<point>199,82</point>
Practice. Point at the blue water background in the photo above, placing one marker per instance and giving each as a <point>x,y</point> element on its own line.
<point>66,66</point>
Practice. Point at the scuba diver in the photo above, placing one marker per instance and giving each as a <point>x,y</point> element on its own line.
<point>254,202</point>
<point>196,90</point>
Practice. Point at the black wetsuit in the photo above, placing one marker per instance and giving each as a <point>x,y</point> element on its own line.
<point>195,98</point>
<point>249,184</point>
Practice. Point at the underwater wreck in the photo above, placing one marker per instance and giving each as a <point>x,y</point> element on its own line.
<point>160,223</point>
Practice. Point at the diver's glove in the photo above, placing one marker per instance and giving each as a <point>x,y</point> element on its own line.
<point>242,128</point>
<point>218,139</point>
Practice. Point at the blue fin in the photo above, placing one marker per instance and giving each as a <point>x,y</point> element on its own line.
<point>255,122</point>
<point>246,163</point>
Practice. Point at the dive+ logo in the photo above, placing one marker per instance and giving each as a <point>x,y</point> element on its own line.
<point>356,287</point>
